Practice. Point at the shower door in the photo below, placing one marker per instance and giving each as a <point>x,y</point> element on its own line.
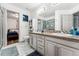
<point>1,27</point>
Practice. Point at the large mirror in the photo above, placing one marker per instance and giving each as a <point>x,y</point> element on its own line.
<point>49,25</point>
<point>76,24</point>
<point>76,20</point>
<point>66,23</point>
<point>40,25</point>
<point>46,25</point>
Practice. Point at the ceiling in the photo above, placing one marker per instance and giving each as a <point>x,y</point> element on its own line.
<point>29,6</point>
<point>34,6</point>
<point>49,8</point>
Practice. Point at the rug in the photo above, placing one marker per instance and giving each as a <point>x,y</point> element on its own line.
<point>11,51</point>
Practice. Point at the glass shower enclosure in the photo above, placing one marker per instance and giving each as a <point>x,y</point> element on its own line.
<point>1,27</point>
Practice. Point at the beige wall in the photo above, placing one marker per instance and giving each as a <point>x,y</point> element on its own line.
<point>12,23</point>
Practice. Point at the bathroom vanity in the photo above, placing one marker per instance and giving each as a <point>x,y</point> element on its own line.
<point>55,44</point>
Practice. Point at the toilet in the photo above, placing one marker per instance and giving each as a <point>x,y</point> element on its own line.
<point>26,39</point>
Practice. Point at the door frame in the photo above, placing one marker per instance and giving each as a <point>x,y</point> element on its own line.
<point>18,24</point>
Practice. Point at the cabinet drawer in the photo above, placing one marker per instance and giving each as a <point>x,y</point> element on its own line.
<point>34,35</point>
<point>40,49</point>
<point>40,36</point>
<point>40,42</point>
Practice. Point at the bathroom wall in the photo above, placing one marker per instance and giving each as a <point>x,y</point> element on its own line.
<point>75,9</point>
<point>21,23</point>
<point>12,23</point>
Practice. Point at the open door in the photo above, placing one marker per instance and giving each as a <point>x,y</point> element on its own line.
<point>12,27</point>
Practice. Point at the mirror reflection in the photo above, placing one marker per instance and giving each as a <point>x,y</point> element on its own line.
<point>66,23</point>
<point>46,25</point>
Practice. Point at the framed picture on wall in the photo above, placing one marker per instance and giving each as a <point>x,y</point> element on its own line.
<point>25,18</point>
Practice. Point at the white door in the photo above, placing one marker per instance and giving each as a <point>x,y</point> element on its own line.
<point>50,48</point>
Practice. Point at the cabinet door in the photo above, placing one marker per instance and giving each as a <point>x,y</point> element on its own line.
<point>65,51</point>
<point>40,40</point>
<point>34,41</point>
<point>40,49</point>
<point>50,48</point>
<point>31,40</point>
<point>40,44</point>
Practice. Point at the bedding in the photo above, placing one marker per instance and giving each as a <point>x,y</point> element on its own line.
<point>12,33</point>
<point>12,37</point>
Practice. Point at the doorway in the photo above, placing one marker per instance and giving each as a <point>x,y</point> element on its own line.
<point>12,27</point>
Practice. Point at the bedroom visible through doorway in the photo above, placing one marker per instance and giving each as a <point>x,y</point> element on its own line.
<point>12,27</point>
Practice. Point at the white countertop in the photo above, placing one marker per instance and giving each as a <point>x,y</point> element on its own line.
<point>59,35</point>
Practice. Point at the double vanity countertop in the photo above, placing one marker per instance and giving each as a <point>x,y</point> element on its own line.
<point>63,36</point>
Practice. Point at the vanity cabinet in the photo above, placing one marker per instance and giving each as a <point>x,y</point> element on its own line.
<point>37,42</point>
<point>50,48</point>
<point>40,44</point>
<point>33,40</point>
<point>67,51</point>
<point>53,48</point>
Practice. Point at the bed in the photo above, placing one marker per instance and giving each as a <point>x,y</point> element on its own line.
<point>12,36</point>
